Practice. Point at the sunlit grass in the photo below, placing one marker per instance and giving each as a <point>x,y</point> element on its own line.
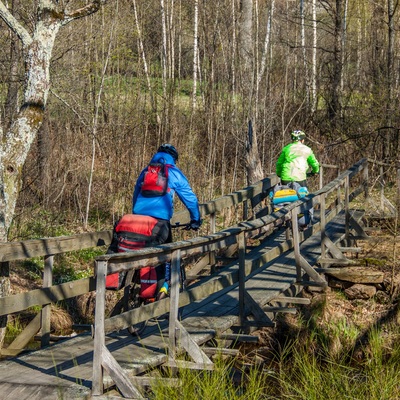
<point>299,371</point>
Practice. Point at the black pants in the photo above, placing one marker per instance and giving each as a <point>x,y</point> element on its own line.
<point>301,183</point>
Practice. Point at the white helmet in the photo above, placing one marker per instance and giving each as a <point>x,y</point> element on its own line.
<point>298,135</point>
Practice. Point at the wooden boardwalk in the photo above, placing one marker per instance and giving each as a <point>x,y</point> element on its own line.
<point>64,370</point>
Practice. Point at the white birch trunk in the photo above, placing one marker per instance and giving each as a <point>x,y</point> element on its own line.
<point>17,140</point>
<point>314,59</point>
<point>303,47</point>
<point>344,41</point>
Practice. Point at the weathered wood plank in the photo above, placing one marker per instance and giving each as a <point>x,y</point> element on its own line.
<point>22,301</point>
<point>294,300</point>
<point>189,365</point>
<point>26,335</point>
<point>118,375</point>
<point>257,191</point>
<point>45,247</point>
<point>191,346</point>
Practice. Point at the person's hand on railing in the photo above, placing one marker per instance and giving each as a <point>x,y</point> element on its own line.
<point>194,225</point>
<point>311,174</point>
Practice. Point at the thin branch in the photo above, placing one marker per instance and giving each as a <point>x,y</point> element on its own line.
<point>15,26</point>
<point>89,9</point>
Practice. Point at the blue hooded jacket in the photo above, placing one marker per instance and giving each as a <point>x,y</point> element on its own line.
<point>162,207</point>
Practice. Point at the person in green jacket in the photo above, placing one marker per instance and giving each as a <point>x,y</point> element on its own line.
<point>295,160</point>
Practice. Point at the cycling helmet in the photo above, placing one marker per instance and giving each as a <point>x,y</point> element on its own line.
<point>298,135</point>
<point>169,149</point>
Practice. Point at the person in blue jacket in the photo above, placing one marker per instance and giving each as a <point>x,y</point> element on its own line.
<point>162,207</point>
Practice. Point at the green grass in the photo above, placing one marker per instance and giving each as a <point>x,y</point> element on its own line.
<point>299,370</point>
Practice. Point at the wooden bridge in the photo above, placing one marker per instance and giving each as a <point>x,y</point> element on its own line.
<point>256,267</point>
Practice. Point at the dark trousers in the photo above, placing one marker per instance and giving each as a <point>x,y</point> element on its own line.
<point>301,183</point>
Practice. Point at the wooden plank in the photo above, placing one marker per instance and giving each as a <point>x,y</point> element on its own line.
<point>46,309</point>
<point>22,301</point>
<point>26,335</point>
<point>119,262</point>
<point>212,351</point>
<point>189,365</point>
<point>174,303</point>
<point>294,300</point>
<point>335,261</point>
<point>242,276</point>
<point>258,190</point>
<point>311,271</point>
<point>150,381</point>
<point>358,228</point>
<point>12,251</point>
<point>118,375</point>
<point>191,346</point>
<point>287,310</point>
<point>350,249</point>
<point>99,349</point>
<point>331,247</point>
<point>257,311</point>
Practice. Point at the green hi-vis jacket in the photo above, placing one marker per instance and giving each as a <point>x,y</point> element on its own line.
<point>294,161</point>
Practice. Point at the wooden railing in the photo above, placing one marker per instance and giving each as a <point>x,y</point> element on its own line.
<point>175,252</point>
<point>49,247</point>
<point>208,245</point>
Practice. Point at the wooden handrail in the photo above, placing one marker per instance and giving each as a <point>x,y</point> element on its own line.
<point>13,251</point>
<point>150,256</point>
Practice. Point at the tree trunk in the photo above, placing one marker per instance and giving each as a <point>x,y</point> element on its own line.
<point>334,107</point>
<point>195,52</point>
<point>387,153</point>
<point>17,140</point>
<point>314,100</point>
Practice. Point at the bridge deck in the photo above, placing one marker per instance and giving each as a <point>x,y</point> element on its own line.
<point>64,370</point>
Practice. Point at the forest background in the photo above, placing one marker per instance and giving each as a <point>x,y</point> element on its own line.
<point>131,75</point>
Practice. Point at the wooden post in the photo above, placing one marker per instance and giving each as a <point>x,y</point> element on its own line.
<point>382,187</point>
<point>346,206</point>
<point>245,210</point>
<point>174,302</point>
<point>212,258</point>
<point>99,334</point>
<point>296,243</point>
<point>323,224</point>
<point>321,177</point>
<point>242,276</point>
<point>365,181</point>
<point>46,309</point>
<point>4,292</point>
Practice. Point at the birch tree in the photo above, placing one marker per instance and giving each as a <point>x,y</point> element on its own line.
<point>37,46</point>
<point>314,59</point>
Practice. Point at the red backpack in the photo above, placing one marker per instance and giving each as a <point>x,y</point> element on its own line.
<point>155,181</point>
<point>133,232</point>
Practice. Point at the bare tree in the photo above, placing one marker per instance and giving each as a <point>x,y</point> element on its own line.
<point>246,51</point>
<point>16,141</point>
